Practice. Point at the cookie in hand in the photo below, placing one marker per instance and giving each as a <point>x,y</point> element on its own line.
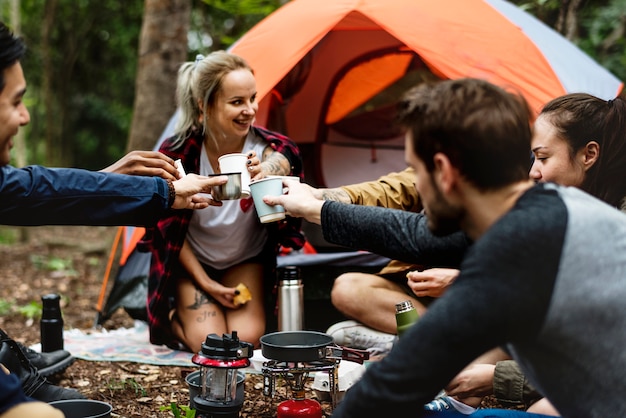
<point>244,295</point>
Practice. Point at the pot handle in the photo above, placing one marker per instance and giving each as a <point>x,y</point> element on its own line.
<point>345,353</point>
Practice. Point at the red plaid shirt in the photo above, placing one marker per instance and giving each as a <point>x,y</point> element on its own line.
<point>166,239</point>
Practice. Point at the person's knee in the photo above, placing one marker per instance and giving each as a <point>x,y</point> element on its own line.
<point>33,409</point>
<point>341,289</point>
<point>346,286</point>
<point>191,334</point>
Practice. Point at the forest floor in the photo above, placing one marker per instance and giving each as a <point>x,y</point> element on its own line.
<point>71,261</point>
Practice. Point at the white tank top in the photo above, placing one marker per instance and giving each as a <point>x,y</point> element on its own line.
<point>222,236</point>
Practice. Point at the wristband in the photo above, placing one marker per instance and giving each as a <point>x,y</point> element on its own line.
<point>171,193</point>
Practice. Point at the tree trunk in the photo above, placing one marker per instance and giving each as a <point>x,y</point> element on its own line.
<point>567,23</point>
<point>162,48</point>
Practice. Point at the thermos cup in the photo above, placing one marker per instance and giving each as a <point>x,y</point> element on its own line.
<point>406,315</point>
<point>290,299</point>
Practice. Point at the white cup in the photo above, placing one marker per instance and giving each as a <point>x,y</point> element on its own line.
<point>268,186</point>
<point>236,162</point>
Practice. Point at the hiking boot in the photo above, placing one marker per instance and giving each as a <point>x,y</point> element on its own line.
<point>33,383</point>
<point>50,363</point>
<point>46,364</point>
<point>447,403</point>
<point>355,335</point>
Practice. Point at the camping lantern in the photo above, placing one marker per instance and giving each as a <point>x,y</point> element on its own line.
<point>219,359</point>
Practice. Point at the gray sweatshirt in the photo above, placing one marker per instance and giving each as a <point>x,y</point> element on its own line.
<point>548,280</point>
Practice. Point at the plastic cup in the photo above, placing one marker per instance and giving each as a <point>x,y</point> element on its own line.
<point>269,186</point>
<point>230,163</point>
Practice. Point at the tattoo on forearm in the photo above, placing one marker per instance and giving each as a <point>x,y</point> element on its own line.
<point>337,195</point>
<point>275,163</point>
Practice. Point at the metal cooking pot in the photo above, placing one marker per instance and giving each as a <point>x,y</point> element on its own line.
<point>307,346</point>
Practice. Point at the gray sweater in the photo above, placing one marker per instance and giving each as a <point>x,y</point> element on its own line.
<point>548,280</point>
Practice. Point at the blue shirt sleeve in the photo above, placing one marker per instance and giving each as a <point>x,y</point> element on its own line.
<point>11,393</point>
<point>38,195</point>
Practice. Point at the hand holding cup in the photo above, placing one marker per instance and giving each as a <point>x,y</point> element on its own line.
<point>188,189</point>
<point>237,162</point>
<point>272,186</point>
<point>298,202</point>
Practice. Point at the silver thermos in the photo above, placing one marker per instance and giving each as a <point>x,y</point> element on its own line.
<point>290,299</point>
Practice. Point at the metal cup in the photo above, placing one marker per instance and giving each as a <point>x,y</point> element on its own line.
<point>230,190</point>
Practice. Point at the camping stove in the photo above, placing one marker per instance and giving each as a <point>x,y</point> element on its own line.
<point>295,375</point>
<point>293,355</point>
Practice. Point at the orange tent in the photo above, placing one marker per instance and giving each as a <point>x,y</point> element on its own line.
<point>328,71</point>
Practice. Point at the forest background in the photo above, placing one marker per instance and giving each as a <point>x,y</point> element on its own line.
<point>101,74</point>
<point>101,79</point>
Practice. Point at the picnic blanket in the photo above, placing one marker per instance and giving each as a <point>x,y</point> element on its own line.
<point>124,344</point>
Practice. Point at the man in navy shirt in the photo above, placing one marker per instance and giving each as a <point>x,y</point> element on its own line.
<point>542,267</point>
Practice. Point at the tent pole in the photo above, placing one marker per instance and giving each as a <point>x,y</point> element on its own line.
<point>107,273</point>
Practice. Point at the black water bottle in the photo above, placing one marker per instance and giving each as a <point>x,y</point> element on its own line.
<point>51,324</point>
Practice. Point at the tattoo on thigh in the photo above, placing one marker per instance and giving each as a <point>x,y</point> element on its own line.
<point>205,315</point>
<point>201,298</point>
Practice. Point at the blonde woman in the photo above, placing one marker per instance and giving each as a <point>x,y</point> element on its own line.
<point>200,258</point>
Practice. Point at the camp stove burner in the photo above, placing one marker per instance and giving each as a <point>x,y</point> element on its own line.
<point>293,355</point>
<point>296,373</point>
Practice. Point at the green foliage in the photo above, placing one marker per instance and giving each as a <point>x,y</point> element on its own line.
<point>53,264</point>
<point>126,384</point>
<point>93,50</point>
<point>177,410</point>
<point>32,310</point>
<point>93,261</point>
<point>6,306</point>
<point>545,10</point>
<point>599,39</point>
<point>7,235</point>
<point>94,53</point>
<point>597,22</point>
<point>217,24</point>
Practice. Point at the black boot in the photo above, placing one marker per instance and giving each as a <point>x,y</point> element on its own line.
<point>46,364</point>
<point>34,384</point>
<point>50,363</point>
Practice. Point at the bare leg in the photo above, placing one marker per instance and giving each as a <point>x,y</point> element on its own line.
<point>370,300</point>
<point>196,315</point>
<point>249,319</point>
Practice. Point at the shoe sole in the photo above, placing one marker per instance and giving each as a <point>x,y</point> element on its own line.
<point>57,367</point>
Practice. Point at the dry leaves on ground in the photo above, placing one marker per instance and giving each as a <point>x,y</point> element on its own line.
<point>71,261</point>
